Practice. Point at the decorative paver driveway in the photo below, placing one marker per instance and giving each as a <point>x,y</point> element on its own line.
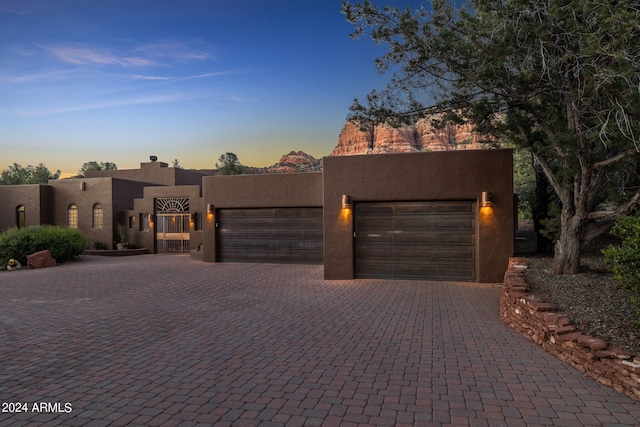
<point>166,340</point>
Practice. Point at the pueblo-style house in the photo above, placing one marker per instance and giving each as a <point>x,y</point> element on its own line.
<point>445,215</point>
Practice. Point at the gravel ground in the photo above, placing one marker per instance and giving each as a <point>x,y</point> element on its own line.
<point>592,299</point>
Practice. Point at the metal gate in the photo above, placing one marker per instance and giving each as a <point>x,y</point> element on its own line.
<point>172,225</point>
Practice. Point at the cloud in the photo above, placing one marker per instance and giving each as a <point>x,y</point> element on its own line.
<point>153,78</point>
<point>5,9</point>
<point>87,55</point>
<point>143,100</point>
<point>30,78</point>
<point>175,50</point>
<point>153,54</point>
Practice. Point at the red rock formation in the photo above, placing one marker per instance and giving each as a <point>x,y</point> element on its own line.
<point>420,137</point>
<point>295,162</point>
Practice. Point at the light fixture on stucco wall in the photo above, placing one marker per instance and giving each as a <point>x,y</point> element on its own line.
<point>346,201</point>
<point>486,199</point>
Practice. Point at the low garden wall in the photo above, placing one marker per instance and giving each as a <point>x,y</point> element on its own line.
<point>540,322</point>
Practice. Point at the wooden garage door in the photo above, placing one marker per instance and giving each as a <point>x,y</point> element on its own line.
<point>416,240</point>
<point>278,235</point>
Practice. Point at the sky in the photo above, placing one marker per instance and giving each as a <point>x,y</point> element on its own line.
<point>120,80</point>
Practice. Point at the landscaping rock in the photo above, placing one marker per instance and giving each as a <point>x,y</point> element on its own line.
<point>42,259</point>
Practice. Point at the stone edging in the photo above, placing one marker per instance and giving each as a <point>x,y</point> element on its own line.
<point>540,322</point>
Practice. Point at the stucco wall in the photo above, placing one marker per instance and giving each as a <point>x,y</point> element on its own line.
<point>256,191</point>
<point>152,172</point>
<point>35,198</point>
<point>85,193</point>
<point>450,175</point>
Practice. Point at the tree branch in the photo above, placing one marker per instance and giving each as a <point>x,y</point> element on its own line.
<point>611,160</point>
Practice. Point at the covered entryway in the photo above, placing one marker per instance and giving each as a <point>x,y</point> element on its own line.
<point>172,225</point>
<point>277,235</point>
<point>415,240</point>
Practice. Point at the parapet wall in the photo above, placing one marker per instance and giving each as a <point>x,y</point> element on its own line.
<point>540,322</point>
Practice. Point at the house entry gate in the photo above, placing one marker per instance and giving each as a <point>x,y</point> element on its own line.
<point>172,225</point>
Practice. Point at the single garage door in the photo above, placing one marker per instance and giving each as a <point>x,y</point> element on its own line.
<point>416,240</point>
<point>277,235</point>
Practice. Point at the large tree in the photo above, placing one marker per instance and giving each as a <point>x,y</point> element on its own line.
<point>558,77</point>
<point>229,164</point>
<point>17,174</point>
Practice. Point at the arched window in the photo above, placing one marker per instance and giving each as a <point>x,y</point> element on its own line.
<point>97,216</point>
<point>72,212</point>
<point>20,218</point>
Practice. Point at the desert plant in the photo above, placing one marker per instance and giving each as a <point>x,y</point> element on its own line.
<point>63,243</point>
<point>123,238</point>
<point>624,260</point>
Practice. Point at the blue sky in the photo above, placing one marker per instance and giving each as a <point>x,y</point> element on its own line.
<point>120,80</point>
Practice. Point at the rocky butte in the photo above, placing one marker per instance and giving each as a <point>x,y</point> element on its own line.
<point>421,136</point>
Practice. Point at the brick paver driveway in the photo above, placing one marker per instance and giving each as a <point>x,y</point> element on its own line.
<point>166,340</point>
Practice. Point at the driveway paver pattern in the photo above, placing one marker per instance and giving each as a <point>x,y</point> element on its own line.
<point>164,340</point>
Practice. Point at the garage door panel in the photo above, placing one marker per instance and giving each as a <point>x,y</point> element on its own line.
<point>382,209</point>
<point>413,223</point>
<point>415,240</point>
<point>375,252</point>
<point>412,239</point>
<point>233,233</point>
<point>287,212</point>
<point>286,235</point>
<point>454,224</point>
<point>452,254</point>
<point>313,235</point>
<point>313,223</point>
<point>377,223</point>
<point>411,208</point>
<point>287,223</point>
<point>375,238</point>
<point>453,207</point>
<point>453,239</point>
<point>412,252</point>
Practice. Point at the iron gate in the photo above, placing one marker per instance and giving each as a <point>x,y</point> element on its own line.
<point>172,225</point>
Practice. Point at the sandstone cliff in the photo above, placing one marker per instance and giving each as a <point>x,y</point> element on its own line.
<point>296,161</point>
<point>419,137</point>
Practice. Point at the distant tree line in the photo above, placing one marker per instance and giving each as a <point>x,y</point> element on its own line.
<point>17,174</point>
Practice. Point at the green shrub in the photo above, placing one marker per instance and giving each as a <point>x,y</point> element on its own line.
<point>63,243</point>
<point>624,260</point>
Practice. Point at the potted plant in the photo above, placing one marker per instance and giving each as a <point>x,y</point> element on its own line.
<point>123,238</point>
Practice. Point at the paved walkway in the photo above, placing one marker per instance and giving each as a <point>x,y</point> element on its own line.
<point>166,340</point>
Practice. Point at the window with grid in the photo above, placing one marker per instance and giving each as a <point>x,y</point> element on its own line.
<point>72,213</point>
<point>98,216</point>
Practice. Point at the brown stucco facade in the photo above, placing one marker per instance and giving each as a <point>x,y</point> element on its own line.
<point>36,200</point>
<point>437,176</point>
<point>256,191</point>
<point>131,197</point>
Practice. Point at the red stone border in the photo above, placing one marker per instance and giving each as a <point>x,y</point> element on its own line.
<point>539,321</point>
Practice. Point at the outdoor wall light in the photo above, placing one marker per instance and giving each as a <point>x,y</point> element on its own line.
<point>346,201</point>
<point>209,209</point>
<point>485,201</point>
<point>83,186</point>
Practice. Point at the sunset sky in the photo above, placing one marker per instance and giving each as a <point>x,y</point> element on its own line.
<point>120,80</point>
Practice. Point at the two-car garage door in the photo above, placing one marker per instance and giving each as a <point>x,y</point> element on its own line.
<point>415,240</point>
